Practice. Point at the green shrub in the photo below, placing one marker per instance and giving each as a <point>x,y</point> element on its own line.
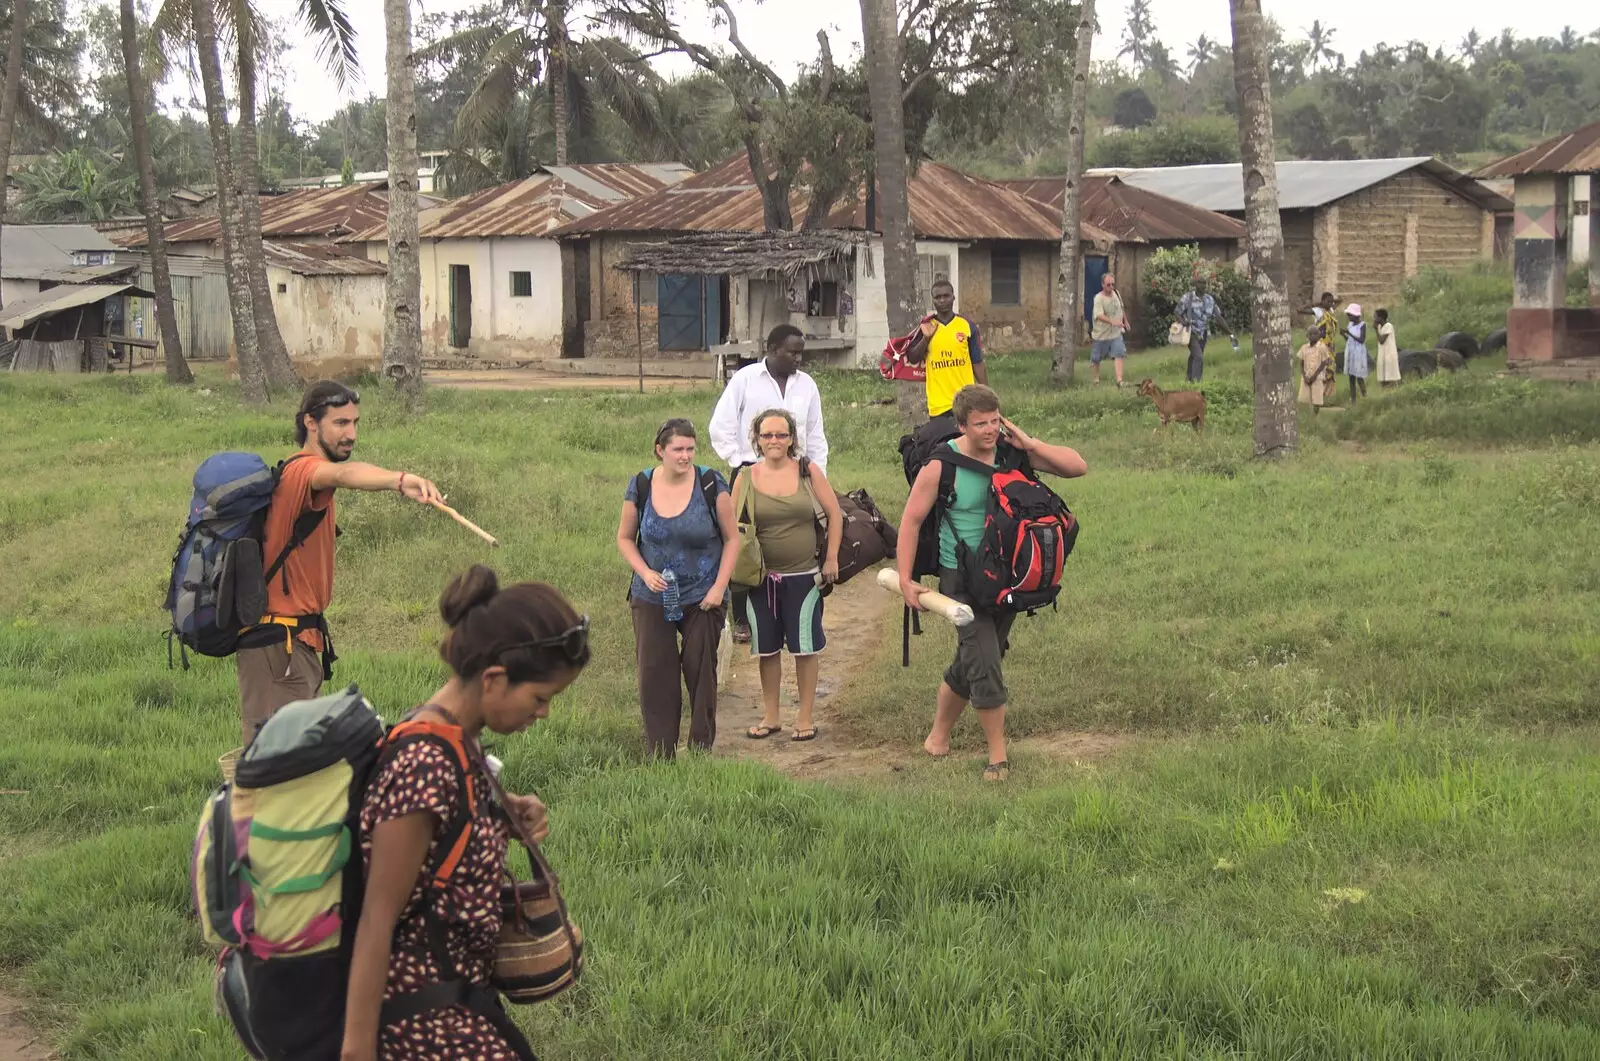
<point>1438,301</point>
<point>1170,142</point>
<point>1169,274</point>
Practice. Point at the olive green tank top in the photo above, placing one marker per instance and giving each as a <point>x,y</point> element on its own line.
<point>787,530</point>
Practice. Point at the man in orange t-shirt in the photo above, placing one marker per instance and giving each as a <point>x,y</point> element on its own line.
<point>287,655</point>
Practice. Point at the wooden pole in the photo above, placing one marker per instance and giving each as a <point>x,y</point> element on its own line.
<point>638,329</point>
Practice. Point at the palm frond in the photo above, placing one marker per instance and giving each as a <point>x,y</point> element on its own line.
<point>503,76</point>
<point>619,87</point>
<point>329,27</point>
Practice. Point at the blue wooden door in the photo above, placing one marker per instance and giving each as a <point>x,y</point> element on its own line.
<point>688,312</point>
<point>1094,267</point>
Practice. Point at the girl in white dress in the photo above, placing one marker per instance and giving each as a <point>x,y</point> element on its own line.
<point>1388,352</point>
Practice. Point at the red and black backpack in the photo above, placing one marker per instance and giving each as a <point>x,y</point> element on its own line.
<point>1028,532</point>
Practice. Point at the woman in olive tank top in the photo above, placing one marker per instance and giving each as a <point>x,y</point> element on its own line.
<point>786,609</point>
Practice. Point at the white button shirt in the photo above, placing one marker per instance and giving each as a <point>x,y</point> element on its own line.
<point>751,391</point>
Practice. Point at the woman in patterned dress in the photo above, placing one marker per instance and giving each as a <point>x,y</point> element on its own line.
<point>511,651</point>
<point>1355,351</point>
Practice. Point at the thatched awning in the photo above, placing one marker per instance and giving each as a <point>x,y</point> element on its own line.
<point>740,253</point>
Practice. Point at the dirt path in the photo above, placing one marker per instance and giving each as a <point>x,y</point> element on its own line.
<point>18,1042</point>
<point>840,752</point>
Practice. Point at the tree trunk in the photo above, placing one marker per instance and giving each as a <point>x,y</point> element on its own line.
<point>1069,276</point>
<point>556,71</point>
<point>880,29</point>
<point>1277,431</point>
<point>402,330</point>
<point>275,362</point>
<point>252,380</point>
<point>8,105</point>
<point>155,231</point>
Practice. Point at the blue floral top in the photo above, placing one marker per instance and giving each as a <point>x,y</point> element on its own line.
<point>689,544</point>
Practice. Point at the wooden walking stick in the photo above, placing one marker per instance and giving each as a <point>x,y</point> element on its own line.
<point>465,522</point>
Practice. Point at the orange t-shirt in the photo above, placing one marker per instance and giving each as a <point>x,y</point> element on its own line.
<point>310,567</point>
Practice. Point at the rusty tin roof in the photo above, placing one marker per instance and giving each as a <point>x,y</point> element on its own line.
<point>319,259</point>
<point>308,212</point>
<point>945,204</point>
<point>536,204</point>
<point>1575,152</point>
<point>1133,215</point>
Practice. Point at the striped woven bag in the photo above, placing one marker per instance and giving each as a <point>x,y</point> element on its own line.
<point>540,951</point>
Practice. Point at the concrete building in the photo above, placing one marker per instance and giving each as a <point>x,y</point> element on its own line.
<point>1357,228</point>
<point>491,270</point>
<point>995,245</point>
<point>1543,333</point>
<point>35,258</point>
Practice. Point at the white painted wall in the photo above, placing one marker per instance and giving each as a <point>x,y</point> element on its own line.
<point>502,325</point>
<point>872,300</point>
<point>1583,189</point>
<point>329,318</point>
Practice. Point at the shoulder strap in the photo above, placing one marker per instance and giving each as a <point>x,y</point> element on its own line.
<point>708,490</point>
<point>953,459</point>
<point>818,513</point>
<point>414,730</point>
<point>641,498</point>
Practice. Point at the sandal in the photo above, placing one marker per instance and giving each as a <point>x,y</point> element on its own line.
<point>809,733</point>
<point>1000,771</point>
<point>762,732</point>
<point>741,635</point>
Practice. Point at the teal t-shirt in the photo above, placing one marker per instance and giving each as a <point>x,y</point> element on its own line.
<point>971,506</point>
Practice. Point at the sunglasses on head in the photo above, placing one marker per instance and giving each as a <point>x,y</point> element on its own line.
<point>337,401</point>
<point>573,643</point>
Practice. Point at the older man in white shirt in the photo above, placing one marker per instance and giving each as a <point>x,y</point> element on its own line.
<point>775,382</point>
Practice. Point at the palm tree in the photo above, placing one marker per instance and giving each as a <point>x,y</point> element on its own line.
<point>13,87</point>
<point>1201,52</point>
<point>274,354</point>
<point>1069,298</point>
<point>230,208</point>
<point>155,234</point>
<point>532,54</point>
<point>1276,428</point>
<point>1470,45</point>
<point>1319,41</point>
<point>1137,33</point>
<point>880,30</point>
<point>402,329</point>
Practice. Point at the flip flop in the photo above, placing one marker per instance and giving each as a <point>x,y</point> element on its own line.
<point>804,734</point>
<point>762,732</point>
<point>1000,771</point>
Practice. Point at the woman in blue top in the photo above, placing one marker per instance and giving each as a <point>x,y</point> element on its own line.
<point>676,532</point>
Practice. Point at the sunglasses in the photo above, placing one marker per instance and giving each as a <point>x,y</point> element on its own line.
<point>775,436</point>
<point>573,643</point>
<point>338,401</point>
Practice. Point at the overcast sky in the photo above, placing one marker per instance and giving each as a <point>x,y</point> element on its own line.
<point>783,32</point>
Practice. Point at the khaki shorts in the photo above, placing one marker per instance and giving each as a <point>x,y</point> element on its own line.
<point>975,673</point>
<point>269,678</point>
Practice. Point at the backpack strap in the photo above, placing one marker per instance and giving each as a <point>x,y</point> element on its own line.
<point>304,526</point>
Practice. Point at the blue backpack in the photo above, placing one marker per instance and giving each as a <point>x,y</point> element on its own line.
<point>219,580</point>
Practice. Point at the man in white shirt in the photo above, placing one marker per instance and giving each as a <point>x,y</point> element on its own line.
<point>775,382</point>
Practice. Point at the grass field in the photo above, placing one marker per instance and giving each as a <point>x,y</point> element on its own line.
<point>1360,822</point>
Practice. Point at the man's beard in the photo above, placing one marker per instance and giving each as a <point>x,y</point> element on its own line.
<point>333,454</point>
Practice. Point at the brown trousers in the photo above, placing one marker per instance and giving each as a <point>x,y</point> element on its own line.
<point>665,667</point>
<point>269,678</point>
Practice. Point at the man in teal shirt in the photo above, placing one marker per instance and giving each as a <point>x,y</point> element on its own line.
<point>975,676</point>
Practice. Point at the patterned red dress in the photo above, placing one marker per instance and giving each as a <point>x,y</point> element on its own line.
<point>423,777</point>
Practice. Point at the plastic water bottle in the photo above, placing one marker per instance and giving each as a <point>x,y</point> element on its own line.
<point>671,606</point>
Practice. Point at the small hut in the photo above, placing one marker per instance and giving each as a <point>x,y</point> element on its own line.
<point>723,291</point>
<point>72,328</point>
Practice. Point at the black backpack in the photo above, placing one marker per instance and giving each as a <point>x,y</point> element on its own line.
<point>641,489</point>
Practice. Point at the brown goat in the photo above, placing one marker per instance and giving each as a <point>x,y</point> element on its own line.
<point>1186,407</point>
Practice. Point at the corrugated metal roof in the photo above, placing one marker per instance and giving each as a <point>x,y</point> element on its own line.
<point>1302,185</point>
<point>1575,152</point>
<point>945,204</point>
<point>87,274</point>
<point>319,259</point>
<point>535,205</point>
<point>1133,215</point>
<point>310,212</point>
<point>24,311</point>
<point>26,251</point>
